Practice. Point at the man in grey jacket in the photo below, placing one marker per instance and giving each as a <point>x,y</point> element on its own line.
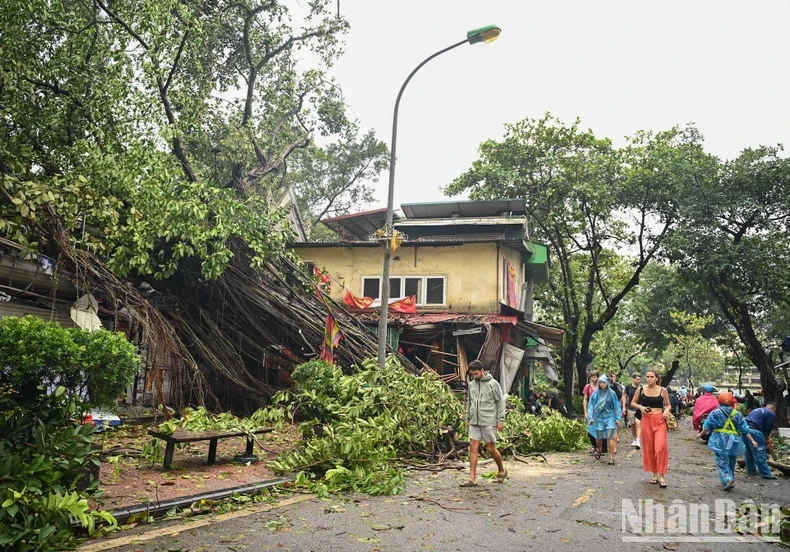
<point>485,415</point>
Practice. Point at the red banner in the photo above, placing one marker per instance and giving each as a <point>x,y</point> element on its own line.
<point>357,302</point>
<point>512,298</point>
<point>407,305</point>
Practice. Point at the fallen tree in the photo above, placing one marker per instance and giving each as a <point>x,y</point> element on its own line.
<point>361,431</point>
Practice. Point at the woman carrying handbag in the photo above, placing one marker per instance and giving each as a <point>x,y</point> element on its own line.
<point>653,402</point>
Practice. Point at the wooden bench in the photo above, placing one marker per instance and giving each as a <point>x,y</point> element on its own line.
<point>188,436</point>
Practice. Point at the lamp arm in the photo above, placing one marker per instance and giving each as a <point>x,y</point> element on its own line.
<point>394,141</point>
<point>385,281</point>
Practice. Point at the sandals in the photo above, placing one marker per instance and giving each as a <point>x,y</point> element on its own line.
<point>500,477</point>
<point>611,461</point>
<point>597,455</point>
<point>730,485</point>
<point>662,484</point>
<point>653,481</point>
<point>469,483</point>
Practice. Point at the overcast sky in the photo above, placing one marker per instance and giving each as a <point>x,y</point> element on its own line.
<point>619,66</point>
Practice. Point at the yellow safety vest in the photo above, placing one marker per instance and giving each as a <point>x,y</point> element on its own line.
<point>729,425</point>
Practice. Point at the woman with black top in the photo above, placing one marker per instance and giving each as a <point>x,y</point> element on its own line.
<point>653,401</point>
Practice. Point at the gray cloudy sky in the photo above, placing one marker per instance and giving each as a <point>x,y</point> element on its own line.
<point>620,66</point>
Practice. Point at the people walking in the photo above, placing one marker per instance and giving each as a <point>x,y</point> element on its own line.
<point>603,411</point>
<point>761,422</point>
<point>703,406</point>
<point>727,429</point>
<point>653,402</point>
<point>631,413</point>
<point>587,392</point>
<point>619,391</point>
<point>485,415</point>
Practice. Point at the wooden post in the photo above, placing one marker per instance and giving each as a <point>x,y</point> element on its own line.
<point>212,451</point>
<point>462,363</point>
<point>169,450</point>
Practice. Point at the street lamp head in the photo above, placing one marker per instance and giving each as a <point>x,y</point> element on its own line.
<point>483,34</point>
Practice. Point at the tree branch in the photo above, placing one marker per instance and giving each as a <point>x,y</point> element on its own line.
<point>178,57</point>
<point>123,24</point>
<point>347,186</point>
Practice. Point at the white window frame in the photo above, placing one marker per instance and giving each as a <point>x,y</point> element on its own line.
<point>423,287</point>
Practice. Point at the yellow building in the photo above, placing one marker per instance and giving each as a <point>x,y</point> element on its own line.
<point>460,256</point>
<point>468,265</point>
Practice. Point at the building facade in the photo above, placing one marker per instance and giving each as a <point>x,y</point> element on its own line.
<point>466,270</point>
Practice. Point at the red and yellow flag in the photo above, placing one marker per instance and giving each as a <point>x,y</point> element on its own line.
<point>332,336</point>
<point>406,305</point>
<point>355,302</point>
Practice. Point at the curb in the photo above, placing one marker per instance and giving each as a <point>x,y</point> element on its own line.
<point>158,508</point>
<point>141,538</point>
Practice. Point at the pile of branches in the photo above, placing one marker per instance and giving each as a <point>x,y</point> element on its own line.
<point>362,430</point>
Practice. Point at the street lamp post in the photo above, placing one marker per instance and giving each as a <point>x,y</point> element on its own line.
<point>483,35</point>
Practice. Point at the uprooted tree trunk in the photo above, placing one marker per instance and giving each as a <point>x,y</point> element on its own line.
<point>230,342</point>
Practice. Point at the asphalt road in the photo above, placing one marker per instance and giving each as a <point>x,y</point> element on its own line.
<point>571,503</point>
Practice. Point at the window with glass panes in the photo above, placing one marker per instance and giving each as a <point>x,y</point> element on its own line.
<point>429,290</point>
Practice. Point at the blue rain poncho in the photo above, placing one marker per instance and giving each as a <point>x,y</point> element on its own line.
<point>729,441</point>
<point>604,410</point>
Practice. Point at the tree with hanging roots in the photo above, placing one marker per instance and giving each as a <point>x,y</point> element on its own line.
<point>148,141</point>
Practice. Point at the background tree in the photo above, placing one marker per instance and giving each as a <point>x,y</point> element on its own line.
<point>735,237</point>
<point>586,199</point>
<point>332,180</point>
<point>700,359</point>
<point>617,348</point>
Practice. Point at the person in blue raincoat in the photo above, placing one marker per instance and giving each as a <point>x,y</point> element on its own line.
<point>727,429</point>
<point>603,411</point>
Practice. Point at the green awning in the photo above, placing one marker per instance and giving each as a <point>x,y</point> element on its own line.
<point>536,259</point>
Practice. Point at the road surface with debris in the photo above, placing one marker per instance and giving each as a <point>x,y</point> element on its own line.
<point>573,502</point>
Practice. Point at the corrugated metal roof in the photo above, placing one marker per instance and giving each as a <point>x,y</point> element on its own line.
<point>418,319</point>
<point>452,239</point>
<point>552,335</point>
<point>464,208</point>
<point>358,225</point>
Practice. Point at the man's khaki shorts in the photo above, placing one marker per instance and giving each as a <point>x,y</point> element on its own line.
<point>631,416</point>
<point>482,433</point>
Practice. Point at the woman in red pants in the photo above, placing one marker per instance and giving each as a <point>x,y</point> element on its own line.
<point>653,401</point>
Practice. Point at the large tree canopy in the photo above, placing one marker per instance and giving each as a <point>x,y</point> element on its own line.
<point>735,237</point>
<point>156,130</point>
<point>149,140</point>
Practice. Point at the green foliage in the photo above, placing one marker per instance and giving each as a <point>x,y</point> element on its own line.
<point>370,419</point>
<point>698,356</point>
<point>108,362</point>
<point>36,352</point>
<point>323,380</point>
<point>46,454</point>
<point>578,403</point>
<point>123,124</point>
<point>44,472</point>
<point>550,431</point>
